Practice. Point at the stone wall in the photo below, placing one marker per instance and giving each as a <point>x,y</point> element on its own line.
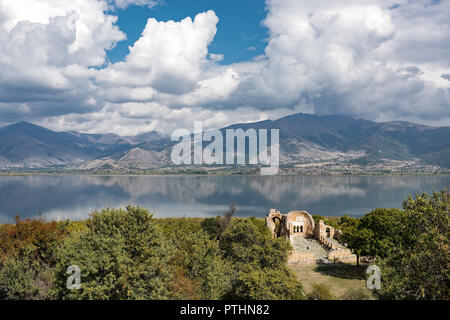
<point>301,258</point>
<point>323,230</point>
<point>342,256</point>
<point>270,222</point>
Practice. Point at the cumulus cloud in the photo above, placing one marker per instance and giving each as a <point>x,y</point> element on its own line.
<point>373,59</point>
<point>169,56</point>
<point>46,49</point>
<point>95,30</point>
<point>344,57</point>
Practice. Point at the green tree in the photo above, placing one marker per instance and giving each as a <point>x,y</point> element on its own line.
<point>201,273</point>
<point>259,263</point>
<point>418,268</point>
<point>122,255</point>
<point>356,238</point>
<point>383,224</point>
<point>374,234</point>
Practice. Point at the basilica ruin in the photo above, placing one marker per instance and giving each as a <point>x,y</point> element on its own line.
<point>312,243</point>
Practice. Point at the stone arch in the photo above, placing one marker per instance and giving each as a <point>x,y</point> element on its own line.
<point>301,221</point>
<point>276,222</point>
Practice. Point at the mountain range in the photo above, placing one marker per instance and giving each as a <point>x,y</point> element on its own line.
<point>304,138</point>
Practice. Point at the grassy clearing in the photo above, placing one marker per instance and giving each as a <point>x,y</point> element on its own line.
<point>341,279</point>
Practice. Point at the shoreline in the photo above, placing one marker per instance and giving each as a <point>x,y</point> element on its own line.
<point>206,173</point>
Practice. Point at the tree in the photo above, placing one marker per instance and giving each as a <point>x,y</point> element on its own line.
<point>244,243</point>
<point>355,237</point>
<point>259,263</point>
<point>122,255</point>
<point>418,268</point>
<point>255,283</point>
<point>374,234</point>
<point>383,225</point>
<point>201,273</point>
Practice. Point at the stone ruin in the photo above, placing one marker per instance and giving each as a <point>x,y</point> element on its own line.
<point>312,243</point>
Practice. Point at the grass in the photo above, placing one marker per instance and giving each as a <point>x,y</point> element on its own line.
<point>341,279</point>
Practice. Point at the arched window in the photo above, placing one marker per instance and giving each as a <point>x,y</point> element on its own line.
<point>301,229</point>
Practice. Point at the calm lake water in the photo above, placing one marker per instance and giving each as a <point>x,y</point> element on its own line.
<point>74,197</point>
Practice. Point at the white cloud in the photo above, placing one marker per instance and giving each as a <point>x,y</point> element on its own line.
<point>169,56</point>
<point>349,57</point>
<point>94,29</point>
<point>46,47</point>
<point>375,59</point>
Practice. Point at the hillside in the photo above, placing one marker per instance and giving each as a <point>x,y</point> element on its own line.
<point>304,139</point>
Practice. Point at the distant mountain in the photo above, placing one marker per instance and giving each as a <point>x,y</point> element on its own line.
<point>304,138</point>
<point>25,145</point>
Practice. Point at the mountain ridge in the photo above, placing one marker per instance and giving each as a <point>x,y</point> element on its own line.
<point>304,138</point>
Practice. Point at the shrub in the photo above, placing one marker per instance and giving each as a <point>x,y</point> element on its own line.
<point>254,283</point>
<point>17,280</point>
<point>27,257</point>
<point>32,238</point>
<point>357,294</point>
<point>320,292</point>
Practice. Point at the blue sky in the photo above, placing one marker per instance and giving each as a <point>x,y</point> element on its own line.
<point>240,33</point>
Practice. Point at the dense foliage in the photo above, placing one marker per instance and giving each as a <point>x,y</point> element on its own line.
<point>128,254</point>
<point>418,267</point>
<point>27,257</point>
<point>258,262</point>
<point>411,246</point>
<point>373,235</point>
<point>122,255</point>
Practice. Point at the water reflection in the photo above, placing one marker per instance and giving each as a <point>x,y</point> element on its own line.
<point>60,197</point>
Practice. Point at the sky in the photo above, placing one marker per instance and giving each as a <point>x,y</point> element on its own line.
<point>133,66</point>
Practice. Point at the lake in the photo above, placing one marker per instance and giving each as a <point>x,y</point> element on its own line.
<point>75,196</point>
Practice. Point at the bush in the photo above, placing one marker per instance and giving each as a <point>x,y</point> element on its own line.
<point>17,280</point>
<point>254,283</point>
<point>357,294</point>
<point>320,292</point>
<point>169,225</point>
<point>27,257</point>
<point>33,238</point>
